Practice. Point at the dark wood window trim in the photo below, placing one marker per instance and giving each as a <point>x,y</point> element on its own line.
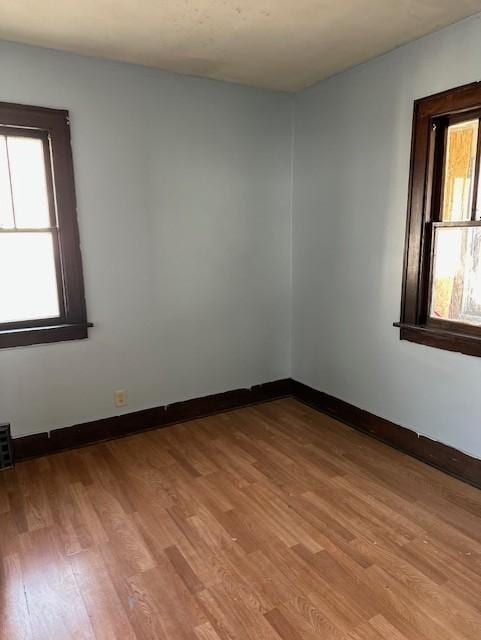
<point>52,127</point>
<point>425,189</point>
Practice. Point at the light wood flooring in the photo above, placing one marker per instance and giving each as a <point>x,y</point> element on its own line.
<point>269,522</point>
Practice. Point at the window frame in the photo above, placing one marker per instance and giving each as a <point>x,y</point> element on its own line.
<point>52,126</point>
<point>428,148</point>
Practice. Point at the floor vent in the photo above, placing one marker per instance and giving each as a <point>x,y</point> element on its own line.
<point>6,449</point>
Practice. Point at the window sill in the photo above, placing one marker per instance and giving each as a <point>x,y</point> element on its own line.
<point>41,335</point>
<point>441,338</point>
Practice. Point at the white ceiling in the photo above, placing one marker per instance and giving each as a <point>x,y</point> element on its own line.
<point>277,44</point>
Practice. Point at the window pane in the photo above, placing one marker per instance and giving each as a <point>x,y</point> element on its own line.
<point>28,283</point>
<point>30,197</point>
<point>6,211</point>
<point>459,170</point>
<point>456,293</point>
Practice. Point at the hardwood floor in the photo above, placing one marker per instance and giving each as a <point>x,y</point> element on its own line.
<point>263,523</point>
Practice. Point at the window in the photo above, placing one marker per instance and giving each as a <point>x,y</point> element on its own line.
<point>41,283</point>
<point>441,301</point>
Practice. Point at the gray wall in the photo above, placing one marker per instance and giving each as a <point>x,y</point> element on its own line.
<point>183,190</point>
<point>352,146</point>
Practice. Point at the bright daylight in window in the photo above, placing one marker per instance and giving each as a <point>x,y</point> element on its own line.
<point>456,277</point>
<point>28,283</point>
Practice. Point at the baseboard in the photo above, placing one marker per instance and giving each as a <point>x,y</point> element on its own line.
<point>436,454</point>
<point>79,435</point>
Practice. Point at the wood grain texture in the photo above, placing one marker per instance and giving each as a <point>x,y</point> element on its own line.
<point>269,522</point>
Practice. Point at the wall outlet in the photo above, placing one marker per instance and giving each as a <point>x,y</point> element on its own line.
<point>120,398</point>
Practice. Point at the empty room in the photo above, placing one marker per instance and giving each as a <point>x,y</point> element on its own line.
<point>240,320</point>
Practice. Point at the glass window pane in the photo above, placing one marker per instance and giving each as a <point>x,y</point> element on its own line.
<point>462,140</point>
<point>6,211</point>
<point>456,293</point>
<point>28,282</point>
<point>30,196</point>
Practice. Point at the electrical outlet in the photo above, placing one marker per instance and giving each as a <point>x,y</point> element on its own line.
<point>119,398</point>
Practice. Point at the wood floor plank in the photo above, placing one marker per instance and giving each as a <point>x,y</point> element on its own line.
<point>270,522</point>
<point>124,537</point>
<point>14,614</point>
<point>56,608</point>
<point>107,615</point>
<point>206,632</point>
<point>283,627</point>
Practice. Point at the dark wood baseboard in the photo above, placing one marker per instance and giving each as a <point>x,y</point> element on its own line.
<point>79,435</point>
<point>441,456</point>
<point>436,454</point>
